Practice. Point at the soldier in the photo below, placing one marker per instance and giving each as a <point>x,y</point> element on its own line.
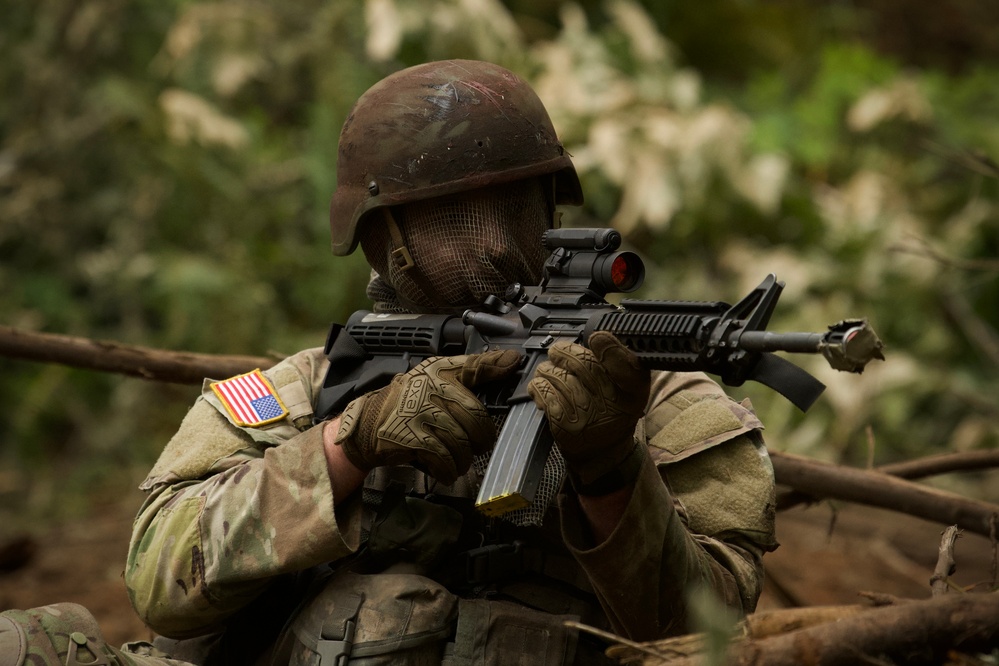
<point>268,539</point>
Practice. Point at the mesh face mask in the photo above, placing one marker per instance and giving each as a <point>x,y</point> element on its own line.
<point>464,246</point>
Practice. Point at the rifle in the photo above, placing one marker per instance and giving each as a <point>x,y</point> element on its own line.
<point>729,341</point>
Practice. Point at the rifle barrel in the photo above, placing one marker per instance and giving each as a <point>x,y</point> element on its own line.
<point>767,341</point>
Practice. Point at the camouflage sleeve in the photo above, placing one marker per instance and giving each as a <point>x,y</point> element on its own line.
<point>701,513</point>
<point>229,510</point>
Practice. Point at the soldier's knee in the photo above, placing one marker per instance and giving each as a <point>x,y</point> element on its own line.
<point>61,634</point>
<point>57,634</point>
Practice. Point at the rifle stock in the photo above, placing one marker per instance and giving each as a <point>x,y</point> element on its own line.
<point>727,341</point>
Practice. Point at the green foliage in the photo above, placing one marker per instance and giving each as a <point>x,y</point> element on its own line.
<point>166,168</point>
<point>714,620</point>
<point>809,123</point>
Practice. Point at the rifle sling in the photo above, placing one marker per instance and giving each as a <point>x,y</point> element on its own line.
<point>795,384</point>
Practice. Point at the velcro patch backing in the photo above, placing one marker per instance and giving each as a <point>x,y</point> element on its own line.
<point>704,422</point>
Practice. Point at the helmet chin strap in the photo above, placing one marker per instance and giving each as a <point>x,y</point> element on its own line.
<point>400,253</point>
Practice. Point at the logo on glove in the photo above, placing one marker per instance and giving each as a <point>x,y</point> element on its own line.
<point>414,396</point>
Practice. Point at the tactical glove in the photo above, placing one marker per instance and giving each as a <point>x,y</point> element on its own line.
<point>593,399</point>
<point>426,417</point>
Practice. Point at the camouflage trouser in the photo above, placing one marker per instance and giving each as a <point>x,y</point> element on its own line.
<point>65,635</point>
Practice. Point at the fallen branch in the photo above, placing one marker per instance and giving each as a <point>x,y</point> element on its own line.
<point>879,489</point>
<point>783,620</point>
<point>145,362</point>
<point>946,565</point>
<point>756,626</point>
<point>923,631</point>
<point>943,463</point>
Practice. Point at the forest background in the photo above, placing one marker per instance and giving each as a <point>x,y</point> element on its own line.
<point>166,169</point>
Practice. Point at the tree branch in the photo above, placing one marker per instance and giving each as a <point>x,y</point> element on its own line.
<point>942,463</point>
<point>910,469</point>
<point>946,566</point>
<point>145,362</point>
<point>923,631</point>
<point>879,489</point>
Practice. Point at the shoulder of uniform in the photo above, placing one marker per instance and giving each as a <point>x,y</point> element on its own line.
<point>297,380</point>
<point>284,394</point>
<point>688,422</point>
<point>226,419</point>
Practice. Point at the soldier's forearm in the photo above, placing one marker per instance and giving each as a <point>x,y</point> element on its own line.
<point>202,550</point>
<point>642,570</point>
<point>345,477</point>
<point>604,512</point>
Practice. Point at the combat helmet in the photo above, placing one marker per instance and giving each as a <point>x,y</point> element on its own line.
<point>437,129</point>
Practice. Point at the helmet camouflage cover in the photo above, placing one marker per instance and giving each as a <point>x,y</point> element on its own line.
<point>437,129</point>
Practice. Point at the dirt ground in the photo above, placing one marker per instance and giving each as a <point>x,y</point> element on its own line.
<point>867,550</point>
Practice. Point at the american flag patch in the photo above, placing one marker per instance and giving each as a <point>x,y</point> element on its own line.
<point>250,399</point>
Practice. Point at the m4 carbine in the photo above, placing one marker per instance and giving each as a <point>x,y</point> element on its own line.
<point>729,341</point>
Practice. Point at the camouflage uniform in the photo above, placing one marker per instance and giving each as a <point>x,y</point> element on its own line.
<point>240,524</point>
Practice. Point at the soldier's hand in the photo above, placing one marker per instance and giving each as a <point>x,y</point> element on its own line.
<point>427,417</point>
<point>593,398</point>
